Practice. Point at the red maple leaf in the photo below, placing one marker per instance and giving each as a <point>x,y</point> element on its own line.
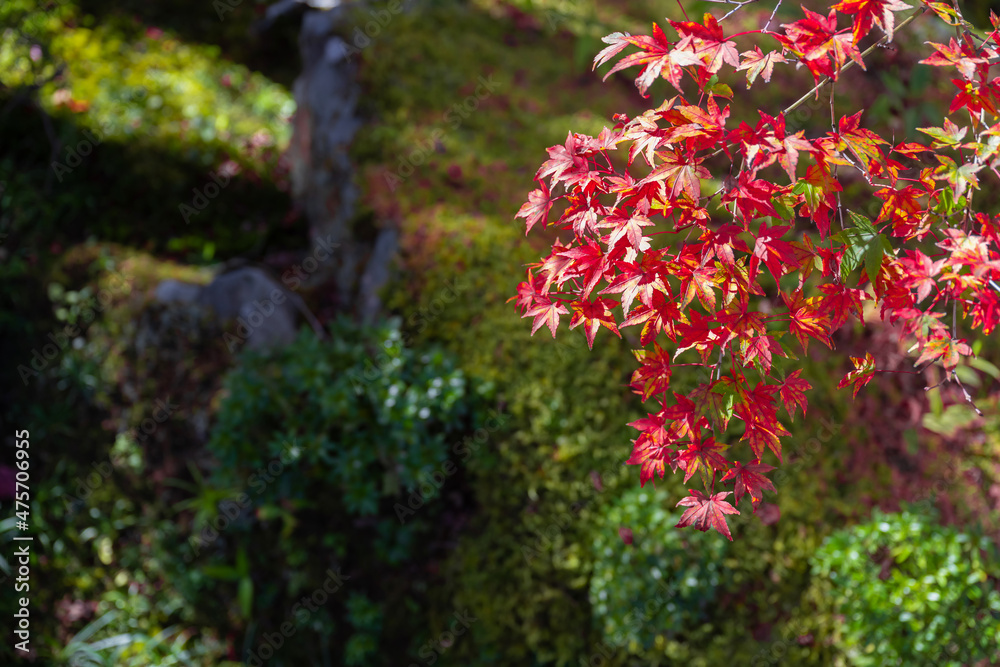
<point>753,197</point>
<point>638,281</point>
<point>706,512</point>
<point>943,347</point>
<point>706,44</point>
<point>864,371</point>
<point>536,209</point>
<point>816,41</point>
<point>699,334</point>
<point>661,314</point>
<point>964,56</point>
<point>750,480</point>
<point>758,64</point>
<point>681,174</point>
<point>806,320</point>
<point>589,262</point>
<point>653,376</point>
<point>652,457</point>
<point>698,281</point>
<point>793,394</point>
<point>626,226</point>
<point>593,315</point>
<point>528,291</point>
<point>762,348</point>
<point>761,435</point>
<point>655,56</point>
<point>705,455</point>
<point>770,249</point>
<point>860,141</point>
<point>879,11</point>
<point>819,191</point>
<point>562,161</point>
<point>986,311</point>
<point>547,312</point>
<point>840,301</point>
<point>920,272</point>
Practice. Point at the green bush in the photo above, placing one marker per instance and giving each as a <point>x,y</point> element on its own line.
<point>115,590</point>
<point>661,583</point>
<point>910,592</point>
<point>359,413</point>
<point>342,447</point>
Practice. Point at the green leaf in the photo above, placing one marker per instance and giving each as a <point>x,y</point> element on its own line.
<point>246,596</point>
<point>722,90</point>
<point>784,210</point>
<point>873,257</point>
<point>863,243</point>
<point>985,366</point>
<point>862,223</point>
<point>223,572</point>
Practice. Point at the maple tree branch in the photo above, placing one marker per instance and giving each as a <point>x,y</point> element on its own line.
<point>851,64</point>
<point>739,6</point>
<point>843,69</point>
<point>968,397</point>
<point>771,17</point>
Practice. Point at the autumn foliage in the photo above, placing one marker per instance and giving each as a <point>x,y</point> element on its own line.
<point>643,244</point>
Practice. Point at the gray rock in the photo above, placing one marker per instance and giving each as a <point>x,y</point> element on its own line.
<point>255,309</point>
<point>249,296</point>
<point>170,291</point>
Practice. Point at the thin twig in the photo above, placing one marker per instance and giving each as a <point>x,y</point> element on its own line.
<point>852,63</point>
<point>771,17</point>
<point>739,6</point>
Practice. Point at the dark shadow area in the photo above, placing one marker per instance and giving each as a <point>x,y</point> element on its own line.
<point>273,52</point>
<point>133,194</point>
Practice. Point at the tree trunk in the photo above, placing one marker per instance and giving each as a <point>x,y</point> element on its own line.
<point>325,123</point>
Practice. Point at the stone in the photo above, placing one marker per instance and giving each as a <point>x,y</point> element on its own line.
<point>255,310</point>
<point>170,291</point>
<point>256,302</point>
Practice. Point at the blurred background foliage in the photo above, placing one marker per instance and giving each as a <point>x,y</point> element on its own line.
<point>443,461</point>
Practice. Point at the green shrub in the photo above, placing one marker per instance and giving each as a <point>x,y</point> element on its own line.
<point>661,583</point>
<point>911,592</point>
<point>342,447</point>
<point>365,617</point>
<point>360,413</point>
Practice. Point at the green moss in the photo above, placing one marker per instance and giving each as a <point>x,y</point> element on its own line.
<point>140,123</point>
<point>153,89</point>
